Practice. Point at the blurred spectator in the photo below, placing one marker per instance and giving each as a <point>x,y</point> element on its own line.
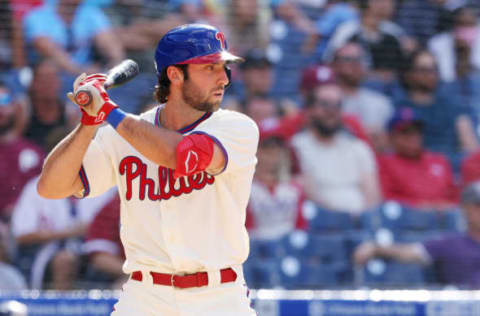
<point>20,160</point>
<point>455,257</point>
<point>372,108</point>
<point>339,170</point>
<point>10,278</point>
<point>191,10</point>
<point>103,245</point>
<point>49,113</point>
<point>448,126</point>
<point>292,13</point>
<point>422,19</point>
<point>312,77</point>
<point>248,22</point>
<point>411,174</point>
<point>458,51</point>
<point>336,13</point>
<point>290,29</point>
<point>47,232</point>
<point>48,235</point>
<point>381,38</point>
<point>470,168</point>
<point>7,57</point>
<point>12,51</point>
<point>68,31</point>
<point>261,108</point>
<point>138,24</point>
<point>255,80</point>
<point>276,202</point>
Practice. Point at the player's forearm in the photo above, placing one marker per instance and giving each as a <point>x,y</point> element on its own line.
<point>156,143</point>
<point>59,177</point>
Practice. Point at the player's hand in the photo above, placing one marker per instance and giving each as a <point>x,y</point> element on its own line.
<point>364,252</point>
<point>90,95</point>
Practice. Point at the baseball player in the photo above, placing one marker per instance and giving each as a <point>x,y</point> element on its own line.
<point>183,170</point>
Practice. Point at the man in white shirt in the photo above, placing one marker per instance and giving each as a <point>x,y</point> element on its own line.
<point>373,109</point>
<point>339,170</point>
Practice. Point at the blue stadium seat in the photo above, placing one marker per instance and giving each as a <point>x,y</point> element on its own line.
<point>322,248</point>
<point>329,248</point>
<point>297,274</point>
<point>356,237</point>
<point>261,273</point>
<point>397,217</point>
<point>452,220</point>
<point>408,237</point>
<point>384,273</point>
<point>327,221</point>
<point>266,249</point>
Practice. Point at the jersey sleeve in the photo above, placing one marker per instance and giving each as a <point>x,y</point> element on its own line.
<point>237,136</point>
<point>97,171</point>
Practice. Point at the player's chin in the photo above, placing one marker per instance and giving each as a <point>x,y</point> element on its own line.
<point>215,103</point>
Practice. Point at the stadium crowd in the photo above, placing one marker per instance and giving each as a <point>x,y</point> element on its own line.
<point>368,162</point>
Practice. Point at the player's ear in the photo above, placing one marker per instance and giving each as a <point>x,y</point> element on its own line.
<point>175,74</point>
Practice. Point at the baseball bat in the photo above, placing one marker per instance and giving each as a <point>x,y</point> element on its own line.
<point>116,76</point>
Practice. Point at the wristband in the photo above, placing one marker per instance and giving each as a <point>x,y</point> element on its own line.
<point>115,117</point>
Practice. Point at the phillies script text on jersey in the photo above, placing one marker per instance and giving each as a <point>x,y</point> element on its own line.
<point>133,167</point>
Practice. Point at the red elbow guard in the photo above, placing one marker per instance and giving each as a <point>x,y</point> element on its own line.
<point>194,154</point>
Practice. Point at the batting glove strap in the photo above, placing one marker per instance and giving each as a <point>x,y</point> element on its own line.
<point>88,119</point>
<point>102,114</point>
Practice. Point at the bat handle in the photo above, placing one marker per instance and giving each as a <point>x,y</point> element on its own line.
<point>83,98</point>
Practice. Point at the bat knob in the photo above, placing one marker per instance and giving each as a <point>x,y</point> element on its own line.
<point>83,97</point>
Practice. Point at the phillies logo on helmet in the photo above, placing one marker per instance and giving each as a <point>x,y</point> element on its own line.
<point>221,37</point>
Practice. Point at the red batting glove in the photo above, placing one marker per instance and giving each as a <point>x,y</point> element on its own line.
<point>91,88</point>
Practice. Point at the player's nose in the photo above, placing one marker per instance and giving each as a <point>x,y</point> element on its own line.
<point>223,79</point>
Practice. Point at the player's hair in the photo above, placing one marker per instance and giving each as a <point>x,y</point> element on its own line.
<point>162,89</point>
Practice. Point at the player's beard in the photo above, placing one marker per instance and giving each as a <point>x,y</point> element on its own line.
<point>194,96</point>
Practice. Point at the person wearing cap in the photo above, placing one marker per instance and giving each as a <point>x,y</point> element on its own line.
<point>412,174</point>
<point>255,80</point>
<point>277,198</point>
<point>339,169</point>
<point>184,171</point>
<point>455,256</point>
<point>20,160</point>
<point>448,124</point>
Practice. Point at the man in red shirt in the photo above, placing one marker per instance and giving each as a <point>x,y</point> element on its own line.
<point>103,245</point>
<point>411,174</point>
<point>20,160</point>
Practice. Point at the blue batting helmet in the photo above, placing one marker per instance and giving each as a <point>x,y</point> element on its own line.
<point>192,44</point>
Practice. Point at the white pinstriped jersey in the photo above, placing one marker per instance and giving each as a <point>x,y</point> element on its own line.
<point>195,223</point>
